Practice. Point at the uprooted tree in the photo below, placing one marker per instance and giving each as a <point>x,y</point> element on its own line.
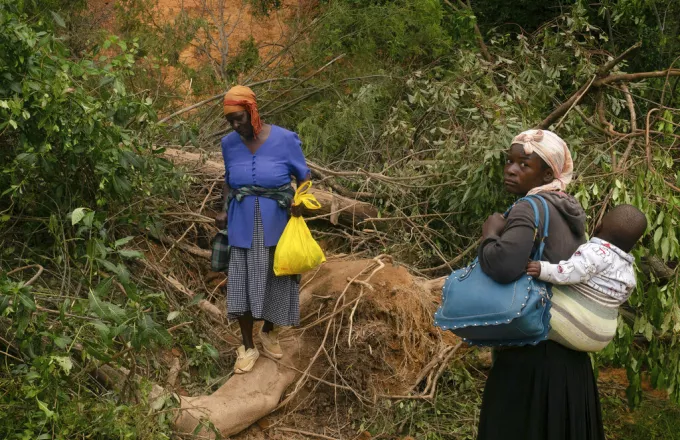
<point>104,282</point>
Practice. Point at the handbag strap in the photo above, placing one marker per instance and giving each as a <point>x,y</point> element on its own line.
<point>538,255</point>
<point>546,223</point>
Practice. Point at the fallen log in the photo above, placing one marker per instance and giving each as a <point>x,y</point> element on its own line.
<point>241,401</point>
<point>334,207</point>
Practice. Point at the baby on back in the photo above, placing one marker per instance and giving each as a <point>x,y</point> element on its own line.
<point>600,270</point>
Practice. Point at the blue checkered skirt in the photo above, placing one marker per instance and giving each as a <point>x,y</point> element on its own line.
<point>253,287</point>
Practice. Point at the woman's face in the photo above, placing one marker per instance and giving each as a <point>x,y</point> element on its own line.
<point>524,172</point>
<point>240,123</point>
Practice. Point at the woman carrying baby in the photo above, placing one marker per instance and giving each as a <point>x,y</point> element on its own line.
<point>547,391</point>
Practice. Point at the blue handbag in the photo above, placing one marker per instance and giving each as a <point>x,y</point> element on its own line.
<point>484,312</point>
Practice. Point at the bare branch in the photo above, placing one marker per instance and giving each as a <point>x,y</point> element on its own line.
<point>604,70</point>
<point>623,77</point>
<point>220,96</point>
<point>629,77</point>
<point>456,260</point>
<point>304,80</point>
<point>633,126</point>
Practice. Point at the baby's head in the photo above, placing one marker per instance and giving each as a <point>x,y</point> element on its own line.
<point>622,226</point>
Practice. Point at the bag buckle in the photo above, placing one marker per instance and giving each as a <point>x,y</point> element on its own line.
<point>468,271</point>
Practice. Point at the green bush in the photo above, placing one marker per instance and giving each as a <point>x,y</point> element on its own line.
<point>70,130</point>
<point>76,159</point>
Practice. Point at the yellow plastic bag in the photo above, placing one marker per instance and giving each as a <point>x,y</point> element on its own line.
<point>297,251</point>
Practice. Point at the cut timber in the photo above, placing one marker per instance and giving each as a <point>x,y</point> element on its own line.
<point>347,211</point>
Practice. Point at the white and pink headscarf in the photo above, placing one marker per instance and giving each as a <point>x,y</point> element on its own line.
<point>554,152</point>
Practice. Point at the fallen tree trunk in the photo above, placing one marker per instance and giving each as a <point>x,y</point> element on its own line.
<point>240,402</point>
<point>334,207</point>
<point>384,315</point>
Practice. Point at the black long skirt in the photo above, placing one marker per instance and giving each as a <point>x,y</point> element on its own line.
<point>542,392</point>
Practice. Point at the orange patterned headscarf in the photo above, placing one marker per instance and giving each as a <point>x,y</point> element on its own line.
<point>553,150</point>
<point>241,98</point>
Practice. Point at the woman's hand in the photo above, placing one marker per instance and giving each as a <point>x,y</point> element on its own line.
<point>221,221</point>
<point>493,225</point>
<point>534,269</point>
<point>296,210</point>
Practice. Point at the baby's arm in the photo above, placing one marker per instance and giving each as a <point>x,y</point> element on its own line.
<point>586,262</point>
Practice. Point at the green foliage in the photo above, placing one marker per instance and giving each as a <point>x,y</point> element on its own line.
<point>518,16</point>
<point>76,155</point>
<point>655,23</point>
<point>451,415</point>
<point>448,126</point>
<point>162,40</point>
<point>264,7</point>
<point>399,30</point>
<point>47,8</point>
<point>331,126</point>
<point>70,130</point>
<point>412,101</point>
<point>655,419</point>
<point>247,57</point>
<point>44,378</point>
<point>40,401</point>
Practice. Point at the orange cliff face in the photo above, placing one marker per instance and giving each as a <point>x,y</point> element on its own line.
<point>232,22</point>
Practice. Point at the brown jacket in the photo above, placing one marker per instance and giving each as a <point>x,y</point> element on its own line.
<point>504,258</point>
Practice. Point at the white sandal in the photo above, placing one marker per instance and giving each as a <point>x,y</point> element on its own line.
<point>245,360</point>
<point>270,343</point>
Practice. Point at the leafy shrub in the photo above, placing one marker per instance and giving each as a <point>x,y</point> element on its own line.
<point>75,152</point>
<point>70,129</point>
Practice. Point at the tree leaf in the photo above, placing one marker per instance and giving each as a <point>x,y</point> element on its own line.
<point>123,241</point>
<point>43,407</point>
<point>108,265</point>
<point>96,305</point>
<point>123,275</point>
<point>657,235</point>
<point>172,315</point>
<point>4,303</point>
<point>104,287</point>
<point>64,362</point>
<point>96,352</point>
<point>196,299</point>
<point>665,247</point>
<point>212,351</point>
<point>157,404</point>
<point>128,253</point>
<point>62,341</point>
<point>152,332</point>
<point>27,300</point>
<point>159,335</point>
<point>103,329</point>
<point>58,20</point>
<point>77,215</point>
<point>105,310</point>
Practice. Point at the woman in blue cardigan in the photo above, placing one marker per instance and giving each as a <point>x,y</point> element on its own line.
<point>259,160</point>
